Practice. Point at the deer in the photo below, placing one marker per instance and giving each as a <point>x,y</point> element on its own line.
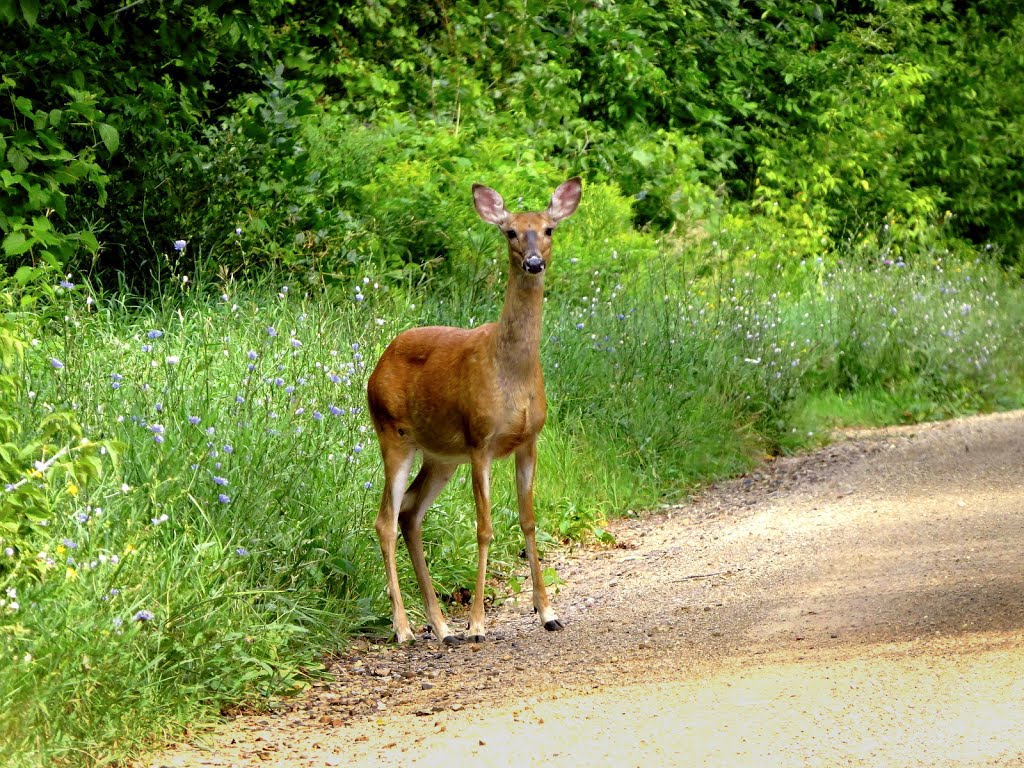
<point>468,396</point>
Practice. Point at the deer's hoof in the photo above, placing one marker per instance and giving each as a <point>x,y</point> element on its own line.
<point>554,625</point>
<point>452,640</point>
<point>477,638</point>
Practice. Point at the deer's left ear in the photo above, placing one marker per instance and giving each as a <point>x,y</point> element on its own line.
<point>565,199</point>
<point>489,205</point>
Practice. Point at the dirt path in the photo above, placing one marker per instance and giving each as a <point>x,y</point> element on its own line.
<point>861,606</point>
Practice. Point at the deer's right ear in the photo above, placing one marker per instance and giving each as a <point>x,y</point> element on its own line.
<point>489,205</point>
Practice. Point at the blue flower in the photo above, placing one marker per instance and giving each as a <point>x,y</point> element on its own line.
<point>278,382</point>
<point>193,420</point>
<point>143,616</point>
<point>242,552</point>
<point>179,245</point>
<point>271,331</point>
<point>220,480</point>
<point>69,543</point>
<point>296,343</point>
<point>317,415</point>
<point>252,354</point>
<point>154,334</point>
<point>67,284</point>
<point>228,449</point>
<point>223,498</point>
<point>57,364</point>
<point>335,410</point>
<point>147,347</point>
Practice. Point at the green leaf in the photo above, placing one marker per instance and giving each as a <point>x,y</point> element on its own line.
<point>108,134</point>
<point>16,244</point>
<point>22,276</point>
<point>30,10</point>
<point>17,159</point>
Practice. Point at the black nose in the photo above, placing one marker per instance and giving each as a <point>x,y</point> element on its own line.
<point>533,264</point>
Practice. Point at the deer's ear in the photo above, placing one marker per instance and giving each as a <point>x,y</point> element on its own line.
<point>489,205</point>
<point>565,199</point>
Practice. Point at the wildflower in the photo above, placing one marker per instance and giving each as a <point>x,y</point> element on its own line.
<point>193,420</point>
<point>117,622</point>
<point>278,382</point>
<point>335,410</point>
<point>9,551</point>
<point>317,416</point>
<point>238,231</point>
<point>357,448</point>
<point>296,343</point>
<point>211,431</point>
<point>368,485</point>
<point>157,520</point>
<point>179,245</point>
<point>147,347</point>
<point>57,364</point>
<point>242,552</point>
<point>239,399</point>
<point>223,498</point>
<point>69,543</point>
<point>220,480</point>
<point>157,429</point>
<point>359,297</point>
<point>154,334</point>
<point>172,360</point>
<point>158,407</point>
<point>271,331</point>
<point>66,285</point>
<point>579,326</point>
<point>252,354</point>
<point>335,378</point>
<point>228,449</point>
<point>143,615</point>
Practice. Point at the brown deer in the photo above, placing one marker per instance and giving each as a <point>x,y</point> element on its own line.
<point>468,396</point>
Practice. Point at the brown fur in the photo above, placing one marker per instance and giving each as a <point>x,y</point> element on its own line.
<point>468,396</point>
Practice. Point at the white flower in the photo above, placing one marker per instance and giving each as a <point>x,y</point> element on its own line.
<point>172,360</point>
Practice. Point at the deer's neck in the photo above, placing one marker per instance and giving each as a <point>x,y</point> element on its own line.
<point>518,337</point>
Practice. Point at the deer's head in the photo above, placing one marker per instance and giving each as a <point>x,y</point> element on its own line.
<point>529,234</point>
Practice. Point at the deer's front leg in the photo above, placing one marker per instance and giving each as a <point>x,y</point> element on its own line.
<point>484,534</point>
<point>526,460</point>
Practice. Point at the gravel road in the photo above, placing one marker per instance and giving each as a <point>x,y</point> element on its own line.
<point>859,606</point>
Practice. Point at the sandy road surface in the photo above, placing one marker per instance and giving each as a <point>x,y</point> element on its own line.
<point>861,606</point>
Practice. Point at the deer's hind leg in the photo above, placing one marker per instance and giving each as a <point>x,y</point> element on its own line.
<point>432,477</point>
<point>398,457</point>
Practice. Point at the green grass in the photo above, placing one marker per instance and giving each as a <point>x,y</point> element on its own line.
<point>150,600</point>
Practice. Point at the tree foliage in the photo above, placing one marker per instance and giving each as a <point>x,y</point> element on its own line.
<point>126,126</point>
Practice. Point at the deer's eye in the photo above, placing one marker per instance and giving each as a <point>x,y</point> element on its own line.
<point>511,233</point>
<point>548,231</point>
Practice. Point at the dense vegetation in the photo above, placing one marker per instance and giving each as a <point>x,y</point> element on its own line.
<point>216,215</point>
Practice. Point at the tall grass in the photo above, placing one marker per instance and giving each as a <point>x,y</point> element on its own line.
<point>233,542</point>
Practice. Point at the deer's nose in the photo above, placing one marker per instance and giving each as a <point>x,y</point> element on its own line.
<point>534,264</point>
